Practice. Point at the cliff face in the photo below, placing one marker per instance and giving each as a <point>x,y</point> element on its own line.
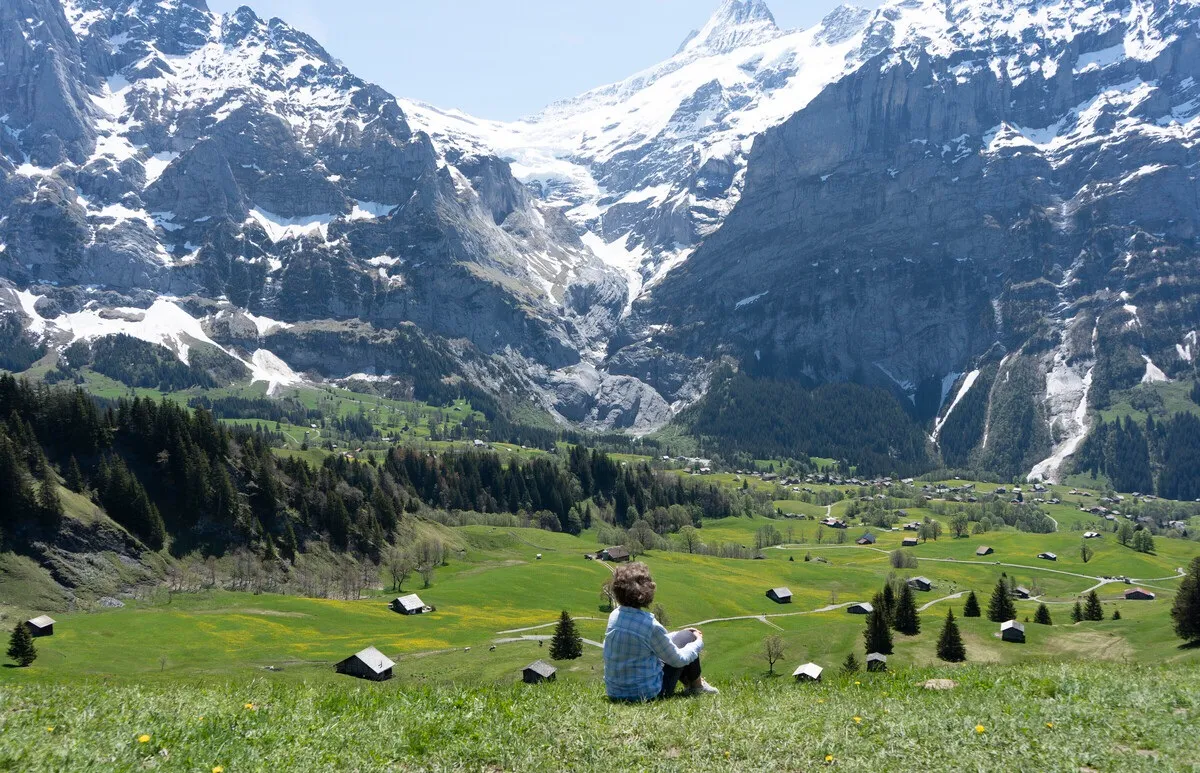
<point>1028,199</point>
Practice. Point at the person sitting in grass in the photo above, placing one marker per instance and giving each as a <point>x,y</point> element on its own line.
<point>642,662</point>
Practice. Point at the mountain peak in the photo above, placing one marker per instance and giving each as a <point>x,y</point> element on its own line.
<point>736,23</point>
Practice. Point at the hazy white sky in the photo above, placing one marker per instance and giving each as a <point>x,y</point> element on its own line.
<point>504,58</point>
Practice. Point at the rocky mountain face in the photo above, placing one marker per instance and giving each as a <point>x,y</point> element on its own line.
<point>152,148</point>
<point>1001,200</point>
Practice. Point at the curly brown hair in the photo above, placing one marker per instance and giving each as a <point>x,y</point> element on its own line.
<point>632,585</point>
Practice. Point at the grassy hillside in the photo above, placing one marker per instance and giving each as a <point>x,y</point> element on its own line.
<point>1037,717</point>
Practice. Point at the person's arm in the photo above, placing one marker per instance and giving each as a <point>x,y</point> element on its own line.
<point>667,652</point>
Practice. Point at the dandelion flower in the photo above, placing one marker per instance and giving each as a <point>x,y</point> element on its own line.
<point>1050,725</point>
<point>857,682</point>
<point>143,738</point>
<point>858,720</point>
<point>979,729</point>
<point>249,707</point>
<point>50,729</point>
<point>219,769</point>
<point>829,758</point>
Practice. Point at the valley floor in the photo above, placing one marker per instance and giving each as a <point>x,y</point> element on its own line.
<point>1047,717</point>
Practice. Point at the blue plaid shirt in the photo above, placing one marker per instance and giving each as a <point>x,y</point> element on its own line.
<point>635,648</point>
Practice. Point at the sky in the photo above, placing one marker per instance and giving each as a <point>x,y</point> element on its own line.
<point>506,59</point>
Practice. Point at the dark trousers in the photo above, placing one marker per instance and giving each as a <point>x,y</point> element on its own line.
<point>672,676</point>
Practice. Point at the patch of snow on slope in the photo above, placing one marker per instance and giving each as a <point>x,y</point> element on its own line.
<point>1154,374</point>
<point>163,323</point>
<point>751,299</point>
<point>266,324</point>
<point>265,366</point>
<point>968,382</point>
<point>1067,404</point>
<point>281,229</point>
<point>37,325</point>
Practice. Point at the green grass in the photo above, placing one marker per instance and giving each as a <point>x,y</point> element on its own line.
<point>1034,717</point>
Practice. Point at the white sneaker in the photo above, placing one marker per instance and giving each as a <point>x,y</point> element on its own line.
<point>704,688</point>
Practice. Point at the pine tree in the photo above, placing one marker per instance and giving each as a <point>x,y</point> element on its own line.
<point>50,508</point>
<point>1077,613</point>
<point>1116,614</point>
<point>950,644</point>
<point>971,608</point>
<point>1092,609</point>
<point>907,620</point>
<point>1001,608</point>
<point>1042,616</point>
<point>878,636</point>
<point>1186,611</point>
<point>889,603</point>
<point>567,644</point>
<point>74,479</point>
<point>20,646</point>
<point>850,665</point>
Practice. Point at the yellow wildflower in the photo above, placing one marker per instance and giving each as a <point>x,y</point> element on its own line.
<point>249,707</point>
<point>829,758</point>
<point>218,769</point>
<point>50,729</point>
<point>979,729</point>
<point>143,738</point>
<point>858,682</point>
<point>858,720</point>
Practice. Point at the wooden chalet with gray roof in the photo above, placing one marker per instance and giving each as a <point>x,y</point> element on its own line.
<point>367,664</point>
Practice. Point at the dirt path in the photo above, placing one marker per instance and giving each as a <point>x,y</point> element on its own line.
<point>544,625</point>
<point>952,596</point>
<point>764,618</point>
<point>512,639</point>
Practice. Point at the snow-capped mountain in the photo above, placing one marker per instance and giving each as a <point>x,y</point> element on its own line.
<point>649,166</point>
<point>152,147</point>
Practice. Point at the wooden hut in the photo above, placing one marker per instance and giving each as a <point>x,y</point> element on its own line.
<point>861,608</point>
<point>984,550</point>
<point>40,626</point>
<point>410,605</point>
<point>1138,594</point>
<point>1012,631</point>
<point>809,672</point>
<point>367,664</point>
<point>539,671</point>
<point>780,595</point>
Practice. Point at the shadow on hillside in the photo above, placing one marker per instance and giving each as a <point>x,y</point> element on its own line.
<point>1190,645</point>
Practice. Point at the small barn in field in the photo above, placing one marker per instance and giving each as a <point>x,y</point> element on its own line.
<point>410,605</point>
<point>809,672</point>
<point>1048,556</point>
<point>1091,535</point>
<point>1021,592</point>
<point>921,583</point>
<point>40,626</point>
<point>539,671</point>
<point>780,595</point>
<point>910,542</point>
<point>617,554</point>
<point>1139,594</point>
<point>866,539</point>
<point>862,608</point>
<point>984,550</point>
<point>876,662</point>
<point>367,664</point>
<point>1012,631</point>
